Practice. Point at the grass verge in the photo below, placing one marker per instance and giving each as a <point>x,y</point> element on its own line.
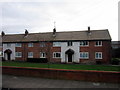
<point>63,66</point>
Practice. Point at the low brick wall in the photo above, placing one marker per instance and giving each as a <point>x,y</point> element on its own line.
<point>85,75</point>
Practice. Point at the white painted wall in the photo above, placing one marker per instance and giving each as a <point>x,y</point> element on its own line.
<point>74,47</point>
<point>12,48</point>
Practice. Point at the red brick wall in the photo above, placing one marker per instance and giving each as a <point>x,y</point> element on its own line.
<point>105,49</point>
<point>86,75</point>
<point>55,49</point>
<point>49,49</point>
<point>20,49</point>
<point>36,49</point>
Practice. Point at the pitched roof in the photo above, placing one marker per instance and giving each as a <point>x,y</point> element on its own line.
<point>60,36</point>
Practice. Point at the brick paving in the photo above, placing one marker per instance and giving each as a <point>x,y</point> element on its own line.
<point>10,81</point>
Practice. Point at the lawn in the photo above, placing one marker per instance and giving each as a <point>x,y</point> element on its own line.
<point>63,66</point>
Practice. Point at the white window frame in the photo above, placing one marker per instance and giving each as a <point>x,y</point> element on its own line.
<point>54,54</point>
<point>42,55</point>
<point>18,45</point>
<point>56,44</point>
<point>29,55</point>
<point>18,54</point>
<point>30,44</point>
<point>100,53</point>
<point>86,53</point>
<point>82,43</point>
<point>98,43</point>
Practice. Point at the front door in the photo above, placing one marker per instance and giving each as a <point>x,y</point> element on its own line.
<point>69,57</point>
<point>8,56</point>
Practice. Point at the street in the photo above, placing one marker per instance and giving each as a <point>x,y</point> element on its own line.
<point>10,81</point>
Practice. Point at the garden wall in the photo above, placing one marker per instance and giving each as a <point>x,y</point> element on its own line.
<point>85,75</point>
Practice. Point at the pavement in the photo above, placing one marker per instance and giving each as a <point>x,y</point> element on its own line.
<point>10,81</point>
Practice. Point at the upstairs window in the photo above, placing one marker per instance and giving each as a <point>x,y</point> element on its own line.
<point>30,54</point>
<point>56,44</point>
<point>42,55</point>
<point>69,43</point>
<point>56,54</point>
<point>98,43</point>
<point>98,55</point>
<point>30,44</point>
<point>18,45</point>
<point>84,43</point>
<point>42,44</point>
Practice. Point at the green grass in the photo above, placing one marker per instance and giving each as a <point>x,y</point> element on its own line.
<point>63,66</point>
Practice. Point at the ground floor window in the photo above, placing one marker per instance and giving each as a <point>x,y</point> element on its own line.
<point>98,55</point>
<point>18,54</point>
<point>56,54</point>
<point>84,55</point>
<point>30,54</point>
<point>42,55</point>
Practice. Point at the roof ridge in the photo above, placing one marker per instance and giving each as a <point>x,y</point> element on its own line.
<point>57,32</point>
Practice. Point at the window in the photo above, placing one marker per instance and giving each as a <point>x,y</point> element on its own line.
<point>8,45</point>
<point>84,55</point>
<point>18,54</point>
<point>42,55</point>
<point>30,44</point>
<point>98,55</point>
<point>18,44</point>
<point>42,44</point>
<point>83,43</point>
<point>69,43</point>
<point>56,54</point>
<point>98,43</point>
<point>56,44</point>
<point>30,54</point>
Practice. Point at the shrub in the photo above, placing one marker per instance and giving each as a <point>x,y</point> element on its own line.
<point>98,62</point>
<point>115,61</point>
<point>37,60</point>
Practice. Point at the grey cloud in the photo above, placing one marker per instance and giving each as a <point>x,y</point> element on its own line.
<point>15,28</point>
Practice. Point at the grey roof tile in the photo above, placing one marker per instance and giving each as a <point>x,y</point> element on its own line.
<point>60,36</point>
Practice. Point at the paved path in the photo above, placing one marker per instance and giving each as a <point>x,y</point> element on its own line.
<point>10,81</point>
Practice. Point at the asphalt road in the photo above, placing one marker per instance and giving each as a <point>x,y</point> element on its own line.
<point>10,81</point>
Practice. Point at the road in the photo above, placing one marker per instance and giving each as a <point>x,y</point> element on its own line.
<point>10,81</point>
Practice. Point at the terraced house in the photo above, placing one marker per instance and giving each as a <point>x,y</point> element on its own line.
<point>89,46</point>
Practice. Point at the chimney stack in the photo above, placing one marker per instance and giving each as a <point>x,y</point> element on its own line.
<point>26,32</point>
<point>89,29</point>
<point>89,32</point>
<point>2,33</point>
<point>54,32</point>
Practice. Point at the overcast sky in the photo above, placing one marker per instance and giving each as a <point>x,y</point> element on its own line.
<point>69,15</point>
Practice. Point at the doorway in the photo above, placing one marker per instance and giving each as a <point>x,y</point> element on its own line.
<point>8,54</point>
<point>69,57</point>
<point>69,53</point>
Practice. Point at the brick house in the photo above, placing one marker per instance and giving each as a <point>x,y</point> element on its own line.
<point>59,47</point>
